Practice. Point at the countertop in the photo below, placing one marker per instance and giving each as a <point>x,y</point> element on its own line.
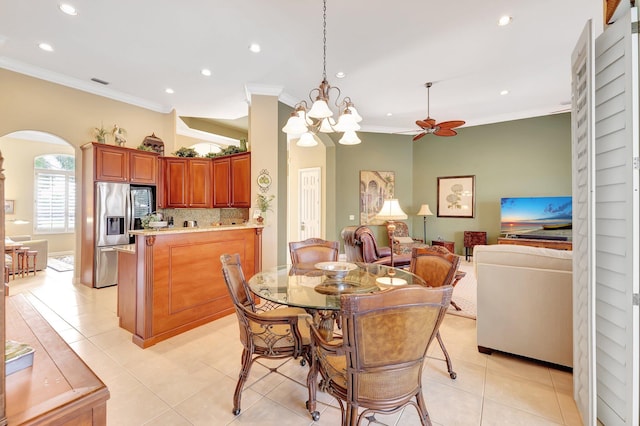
<point>182,230</point>
<point>126,248</point>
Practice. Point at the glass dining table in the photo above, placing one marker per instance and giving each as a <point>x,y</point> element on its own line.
<point>317,287</point>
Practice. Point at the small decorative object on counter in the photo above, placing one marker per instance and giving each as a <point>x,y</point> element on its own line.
<point>243,145</point>
<point>153,217</point>
<point>119,135</point>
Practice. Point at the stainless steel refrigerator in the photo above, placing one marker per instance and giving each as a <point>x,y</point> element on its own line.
<point>119,208</point>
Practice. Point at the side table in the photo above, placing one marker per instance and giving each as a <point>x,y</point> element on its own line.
<point>449,245</point>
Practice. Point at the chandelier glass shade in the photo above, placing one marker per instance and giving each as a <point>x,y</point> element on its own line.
<point>319,118</point>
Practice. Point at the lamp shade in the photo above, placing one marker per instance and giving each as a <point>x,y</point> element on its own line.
<point>307,140</point>
<point>391,211</point>
<point>424,210</point>
<point>320,109</point>
<point>349,138</point>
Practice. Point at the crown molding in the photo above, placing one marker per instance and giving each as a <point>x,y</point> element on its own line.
<point>74,83</point>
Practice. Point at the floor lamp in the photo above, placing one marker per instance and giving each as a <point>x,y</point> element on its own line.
<point>390,212</point>
<point>424,211</point>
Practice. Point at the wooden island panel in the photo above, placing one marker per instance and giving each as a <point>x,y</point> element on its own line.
<point>179,282</point>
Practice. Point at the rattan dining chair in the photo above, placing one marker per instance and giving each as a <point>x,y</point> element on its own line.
<point>437,266</point>
<point>313,250</point>
<point>378,364</point>
<point>272,334</point>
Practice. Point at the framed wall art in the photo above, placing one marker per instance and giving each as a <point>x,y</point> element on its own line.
<point>9,206</point>
<point>456,196</point>
<point>375,187</point>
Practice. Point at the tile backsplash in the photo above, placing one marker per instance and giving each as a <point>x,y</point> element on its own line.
<point>206,217</point>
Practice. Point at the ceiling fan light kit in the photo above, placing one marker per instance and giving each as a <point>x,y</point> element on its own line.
<point>319,118</point>
<point>429,126</point>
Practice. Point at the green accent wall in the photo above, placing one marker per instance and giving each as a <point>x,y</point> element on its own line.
<point>381,152</point>
<point>529,157</point>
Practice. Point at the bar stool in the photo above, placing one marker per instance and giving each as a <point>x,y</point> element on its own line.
<point>30,261</point>
<point>21,261</point>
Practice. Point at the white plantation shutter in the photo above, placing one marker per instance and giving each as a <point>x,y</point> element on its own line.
<point>617,217</point>
<point>54,201</point>
<point>582,125</point>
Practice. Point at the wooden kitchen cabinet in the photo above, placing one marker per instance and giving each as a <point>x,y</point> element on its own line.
<point>118,164</point>
<point>187,182</point>
<point>232,181</point>
<point>143,167</point>
<point>111,163</point>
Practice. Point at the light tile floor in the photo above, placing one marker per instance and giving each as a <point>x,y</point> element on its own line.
<point>190,379</point>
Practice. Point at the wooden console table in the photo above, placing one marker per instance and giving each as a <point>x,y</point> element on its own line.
<point>59,389</point>
<point>552,244</point>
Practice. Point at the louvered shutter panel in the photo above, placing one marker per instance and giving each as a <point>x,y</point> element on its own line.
<point>583,225</point>
<point>617,218</point>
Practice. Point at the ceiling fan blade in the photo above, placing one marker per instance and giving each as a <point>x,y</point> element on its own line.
<point>424,124</point>
<point>419,136</point>
<point>445,132</point>
<point>450,124</point>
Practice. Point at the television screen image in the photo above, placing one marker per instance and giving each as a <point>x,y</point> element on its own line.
<point>536,217</point>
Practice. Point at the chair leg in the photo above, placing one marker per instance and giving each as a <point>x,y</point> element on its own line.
<point>452,373</point>
<point>455,305</point>
<point>312,384</point>
<point>422,410</point>
<point>242,378</point>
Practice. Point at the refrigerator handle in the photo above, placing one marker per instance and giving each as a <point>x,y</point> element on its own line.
<point>129,210</point>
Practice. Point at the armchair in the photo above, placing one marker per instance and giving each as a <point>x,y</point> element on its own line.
<point>360,246</point>
<point>378,364</point>
<point>273,334</point>
<point>402,242</point>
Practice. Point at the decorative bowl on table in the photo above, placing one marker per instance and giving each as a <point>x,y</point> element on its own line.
<point>158,224</point>
<point>336,270</point>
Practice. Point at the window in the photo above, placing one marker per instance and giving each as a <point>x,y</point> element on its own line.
<point>55,193</point>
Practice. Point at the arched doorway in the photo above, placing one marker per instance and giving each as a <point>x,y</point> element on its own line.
<point>23,183</point>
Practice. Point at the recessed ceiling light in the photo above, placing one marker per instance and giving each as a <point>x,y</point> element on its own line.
<point>505,20</point>
<point>46,47</point>
<point>504,92</point>
<point>169,90</point>
<point>254,47</point>
<point>340,74</point>
<point>68,9</point>
<point>206,72</point>
<point>389,114</point>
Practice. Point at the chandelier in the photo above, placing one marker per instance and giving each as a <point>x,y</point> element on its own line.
<point>304,123</point>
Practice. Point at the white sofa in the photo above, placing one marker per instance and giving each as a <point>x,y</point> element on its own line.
<point>525,302</point>
<point>41,245</point>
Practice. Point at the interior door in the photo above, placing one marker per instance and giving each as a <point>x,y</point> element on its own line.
<point>310,205</point>
<point>616,223</point>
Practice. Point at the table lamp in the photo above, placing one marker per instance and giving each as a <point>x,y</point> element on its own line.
<point>424,211</point>
<point>391,212</point>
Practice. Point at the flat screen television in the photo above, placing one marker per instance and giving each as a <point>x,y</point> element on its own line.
<point>536,217</point>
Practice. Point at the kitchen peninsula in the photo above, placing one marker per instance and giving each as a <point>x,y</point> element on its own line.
<point>170,280</point>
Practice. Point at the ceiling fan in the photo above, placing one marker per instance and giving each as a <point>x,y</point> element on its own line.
<point>429,125</point>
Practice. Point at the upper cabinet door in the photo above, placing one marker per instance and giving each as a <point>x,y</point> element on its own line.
<point>112,164</point>
<point>221,184</point>
<point>241,180</point>
<point>176,182</point>
<point>143,167</point>
<point>200,193</point>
